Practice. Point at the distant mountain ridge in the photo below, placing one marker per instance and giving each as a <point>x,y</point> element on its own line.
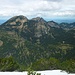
<point>37,42</point>
<point>2,21</point>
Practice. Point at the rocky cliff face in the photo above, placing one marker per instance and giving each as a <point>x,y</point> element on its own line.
<point>15,23</point>
<point>53,24</point>
<point>36,28</point>
<point>29,29</point>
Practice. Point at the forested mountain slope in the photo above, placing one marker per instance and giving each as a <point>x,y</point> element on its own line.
<point>37,44</point>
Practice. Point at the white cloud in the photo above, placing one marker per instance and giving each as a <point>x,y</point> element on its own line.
<point>64,13</point>
<point>32,8</point>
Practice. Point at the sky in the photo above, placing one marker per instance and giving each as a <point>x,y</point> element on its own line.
<point>48,9</point>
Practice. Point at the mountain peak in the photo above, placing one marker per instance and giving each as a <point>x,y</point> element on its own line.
<point>15,23</point>
<point>20,17</point>
<point>53,24</point>
<point>38,19</point>
<point>16,20</point>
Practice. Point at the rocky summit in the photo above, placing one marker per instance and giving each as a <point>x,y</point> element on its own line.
<point>36,44</point>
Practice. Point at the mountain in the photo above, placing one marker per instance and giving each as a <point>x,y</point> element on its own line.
<point>15,23</point>
<point>36,44</point>
<point>53,24</point>
<point>67,26</point>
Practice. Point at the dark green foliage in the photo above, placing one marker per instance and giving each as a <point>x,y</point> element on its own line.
<point>8,64</point>
<point>68,65</point>
<point>47,64</point>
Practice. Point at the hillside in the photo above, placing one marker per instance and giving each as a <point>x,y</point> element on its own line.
<point>37,44</point>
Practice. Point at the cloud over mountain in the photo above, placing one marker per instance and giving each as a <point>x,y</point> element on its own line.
<point>33,8</point>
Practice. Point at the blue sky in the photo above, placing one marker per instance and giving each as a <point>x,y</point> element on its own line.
<point>55,9</point>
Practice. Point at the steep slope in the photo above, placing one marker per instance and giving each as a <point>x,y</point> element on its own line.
<point>35,29</point>
<point>53,24</point>
<point>15,23</point>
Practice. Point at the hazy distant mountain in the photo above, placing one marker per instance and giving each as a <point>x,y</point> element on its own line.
<point>67,26</point>
<point>37,44</point>
<point>2,21</point>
